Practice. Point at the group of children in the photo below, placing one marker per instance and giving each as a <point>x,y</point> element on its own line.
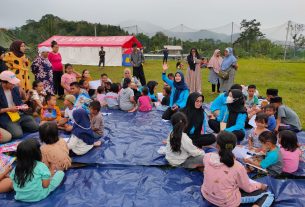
<point>40,168</point>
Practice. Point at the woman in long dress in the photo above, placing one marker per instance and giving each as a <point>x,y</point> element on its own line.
<point>42,70</point>
<point>17,62</point>
<point>193,75</point>
<point>229,65</point>
<point>214,66</point>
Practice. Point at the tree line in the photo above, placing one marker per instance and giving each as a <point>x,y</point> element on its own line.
<point>251,42</point>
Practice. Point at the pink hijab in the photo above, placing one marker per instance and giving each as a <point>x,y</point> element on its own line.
<point>215,62</point>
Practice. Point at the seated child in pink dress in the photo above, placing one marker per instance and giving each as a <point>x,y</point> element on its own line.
<point>144,101</point>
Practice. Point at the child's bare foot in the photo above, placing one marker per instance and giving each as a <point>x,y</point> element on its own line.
<point>132,110</point>
<point>97,143</point>
<point>255,205</point>
<point>164,141</point>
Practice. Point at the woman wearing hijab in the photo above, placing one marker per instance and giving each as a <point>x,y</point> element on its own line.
<point>42,70</point>
<point>179,93</point>
<point>193,75</point>
<point>229,66</point>
<point>215,65</point>
<point>17,62</point>
<point>197,124</point>
<point>231,118</point>
<point>82,139</point>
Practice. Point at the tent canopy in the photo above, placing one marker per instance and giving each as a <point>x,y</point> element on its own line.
<point>91,41</point>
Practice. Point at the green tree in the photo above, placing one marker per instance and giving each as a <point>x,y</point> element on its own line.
<point>250,34</point>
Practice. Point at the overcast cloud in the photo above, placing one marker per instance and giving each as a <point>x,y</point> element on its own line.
<point>166,13</point>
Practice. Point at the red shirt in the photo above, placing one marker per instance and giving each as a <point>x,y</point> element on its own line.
<point>55,59</point>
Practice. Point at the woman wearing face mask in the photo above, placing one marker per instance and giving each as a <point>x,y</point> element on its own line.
<point>197,124</point>
<point>193,75</point>
<point>233,117</point>
<point>179,93</point>
<point>17,62</point>
<point>228,65</point>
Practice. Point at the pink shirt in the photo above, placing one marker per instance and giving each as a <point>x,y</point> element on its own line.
<point>290,160</point>
<point>55,59</point>
<point>221,184</point>
<point>67,79</point>
<point>101,98</point>
<point>144,103</point>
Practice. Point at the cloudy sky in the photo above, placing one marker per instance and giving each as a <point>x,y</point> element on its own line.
<point>196,14</point>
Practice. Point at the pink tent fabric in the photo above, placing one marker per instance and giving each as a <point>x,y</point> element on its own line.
<point>91,41</point>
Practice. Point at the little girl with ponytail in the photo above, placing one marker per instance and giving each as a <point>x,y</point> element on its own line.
<point>226,182</point>
<point>180,150</point>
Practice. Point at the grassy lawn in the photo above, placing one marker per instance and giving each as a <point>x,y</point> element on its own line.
<point>288,77</point>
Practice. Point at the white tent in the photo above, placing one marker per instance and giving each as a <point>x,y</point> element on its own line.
<point>84,50</point>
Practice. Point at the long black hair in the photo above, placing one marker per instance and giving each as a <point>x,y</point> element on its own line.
<point>179,122</point>
<point>226,142</point>
<point>151,86</point>
<point>195,117</point>
<point>28,153</point>
<point>126,82</point>
<point>289,140</point>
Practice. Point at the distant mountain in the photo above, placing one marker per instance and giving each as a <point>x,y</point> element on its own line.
<point>150,29</point>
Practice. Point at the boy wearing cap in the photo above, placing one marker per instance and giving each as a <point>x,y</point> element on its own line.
<point>287,119</point>
<point>67,122</point>
<point>12,117</point>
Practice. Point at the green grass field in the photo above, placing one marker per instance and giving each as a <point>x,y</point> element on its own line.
<point>288,77</point>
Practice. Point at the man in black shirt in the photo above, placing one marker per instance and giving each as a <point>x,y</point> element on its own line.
<point>102,54</point>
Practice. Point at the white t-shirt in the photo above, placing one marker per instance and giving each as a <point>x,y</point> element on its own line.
<point>69,114</point>
<point>9,98</point>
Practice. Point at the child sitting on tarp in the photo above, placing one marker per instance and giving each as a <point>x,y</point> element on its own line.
<point>33,181</point>
<point>96,119</point>
<point>273,160</point>
<point>50,112</point>
<point>270,111</point>
<point>112,97</point>
<point>252,101</point>
<point>261,121</point>
<point>290,151</point>
<point>126,97</point>
<point>226,182</point>
<point>287,119</point>
<point>66,123</point>
<point>144,101</point>
<point>35,98</point>
<point>54,150</point>
<point>100,95</point>
<point>82,138</point>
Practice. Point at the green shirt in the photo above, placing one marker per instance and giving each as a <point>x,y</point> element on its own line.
<point>32,190</point>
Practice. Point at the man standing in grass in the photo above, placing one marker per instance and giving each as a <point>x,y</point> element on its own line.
<point>102,54</point>
<point>137,60</point>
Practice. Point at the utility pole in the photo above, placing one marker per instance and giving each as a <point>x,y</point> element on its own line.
<point>232,34</point>
<point>288,28</point>
<point>95,30</point>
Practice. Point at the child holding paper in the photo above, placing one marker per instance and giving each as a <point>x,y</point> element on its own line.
<point>226,182</point>
<point>261,121</point>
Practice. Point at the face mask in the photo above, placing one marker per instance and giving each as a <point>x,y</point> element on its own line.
<point>229,100</point>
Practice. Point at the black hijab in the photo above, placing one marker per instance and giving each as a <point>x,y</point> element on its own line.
<point>195,116</point>
<point>15,48</point>
<point>238,106</point>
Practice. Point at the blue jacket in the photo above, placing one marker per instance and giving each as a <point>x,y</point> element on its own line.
<point>240,121</point>
<point>3,102</point>
<point>219,102</point>
<point>181,102</point>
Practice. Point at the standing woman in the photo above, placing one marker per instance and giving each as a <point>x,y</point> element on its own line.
<point>17,62</point>
<point>57,67</point>
<point>42,70</point>
<point>197,124</point>
<point>193,75</point>
<point>215,65</point>
<point>228,66</point>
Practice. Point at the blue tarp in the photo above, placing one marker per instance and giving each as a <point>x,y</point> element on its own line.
<point>144,186</point>
<point>130,139</point>
<point>133,173</point>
